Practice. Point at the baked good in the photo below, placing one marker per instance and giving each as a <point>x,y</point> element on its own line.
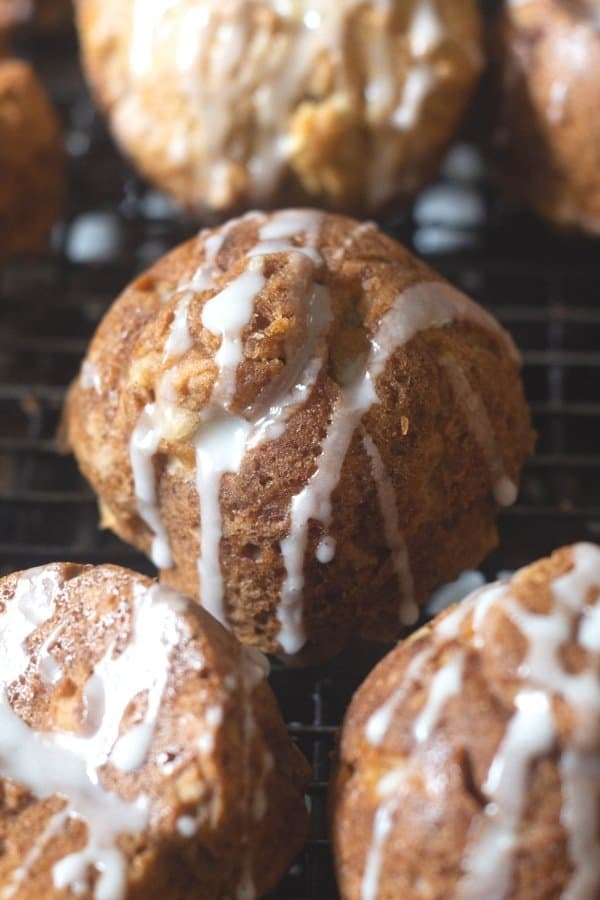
<point>347,105</point>
<point>349,421</point>
<point>547,144</point>
<point>39,15</point>
<point>142,753</point>
<point>470,757</point>
<point>31,161</point>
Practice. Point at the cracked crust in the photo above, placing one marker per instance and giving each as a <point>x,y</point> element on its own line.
<point>278,117</point>
<point>444,795</point>
<point>445,504</point>
<point>206,671</point>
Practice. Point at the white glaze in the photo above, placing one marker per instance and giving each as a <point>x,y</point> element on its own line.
<point>179,340</point>
<point>531,732</point>
<point>52,829</point>
<point>70,765</point>
<point>388,504</point>
<point>419,307</point>
<point>382,828</point>
<point>143,446</point>
<point>479,424</point>
<point>379,722</point>
<point>49,763</point>
<point>223,437</point>
<point>488,860</point>
<point>446,683</point>
<point>241,84</point>
<point>90,378</point>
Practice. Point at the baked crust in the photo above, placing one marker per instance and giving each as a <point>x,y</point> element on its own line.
<point>31,161</point>
<point>547,146</point>
<point>215,779</point>
<point>470,757</point>
<point>394,527</point>
<point>347,105</point>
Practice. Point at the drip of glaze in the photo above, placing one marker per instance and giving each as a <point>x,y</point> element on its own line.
<point>531,732</point>
<point>419,307</point>
<point>387,790</point>
<point>247,79</point>
<point>223,438</point>
<point>152,422</point>
<point>179,340</point>
<point>489,857</point>
<point>49,670</point>
<point>388,504</point>
<point>68,765</point>
<point>446,683</point>
<point>380,720</point>
<point>480,426</point>
<point>425,35</point>
<point>143,446</point>
<point>90,377</point>
<point>488,862</point>
<point>32,605</point>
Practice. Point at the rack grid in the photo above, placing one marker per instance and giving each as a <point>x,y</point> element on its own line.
<point>545,290</point>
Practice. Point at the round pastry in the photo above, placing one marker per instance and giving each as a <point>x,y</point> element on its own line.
<point>547,144</point>
<point>31,161</point>
<point>470,757</point>
<point>303,425</point>
<point>142,753</point>
<point>42,15</point>
<point>347,104</point>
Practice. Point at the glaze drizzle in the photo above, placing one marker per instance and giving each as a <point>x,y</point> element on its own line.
<point>224,437</point>
<point>531,732</point>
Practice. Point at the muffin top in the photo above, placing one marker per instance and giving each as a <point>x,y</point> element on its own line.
<point>256,90</point>
<point>234,339</point>
<point>128,718</point>
<point>491,716</point>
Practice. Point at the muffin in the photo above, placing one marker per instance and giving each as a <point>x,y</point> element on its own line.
<point>470,757</point>
<point>142,754</point>
<point>547,145</point>
<point>39,15</point>
<point>31,161</point>
<point>304,426</point>
<point>347,105</point>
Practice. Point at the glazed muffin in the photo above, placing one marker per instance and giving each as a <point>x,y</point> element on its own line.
<point>40,15</point>
<point>347,105</point>
<point>470,757</point>
<point>303,425</point>
<point>142,753</point>
<point>547,144</point>
<point>31,161</point>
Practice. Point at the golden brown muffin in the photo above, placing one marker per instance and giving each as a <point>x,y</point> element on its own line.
<point>347,104</point>
<point>42,15</point>
<point>470,757</point>
<point>31,161</point>
<point>142,754</point>
<point>547,143</point>
<point>303,425</point>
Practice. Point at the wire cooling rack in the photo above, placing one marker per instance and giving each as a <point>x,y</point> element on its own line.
<point>544,289</point>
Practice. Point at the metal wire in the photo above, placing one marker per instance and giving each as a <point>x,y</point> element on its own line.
<point>544,289</point>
